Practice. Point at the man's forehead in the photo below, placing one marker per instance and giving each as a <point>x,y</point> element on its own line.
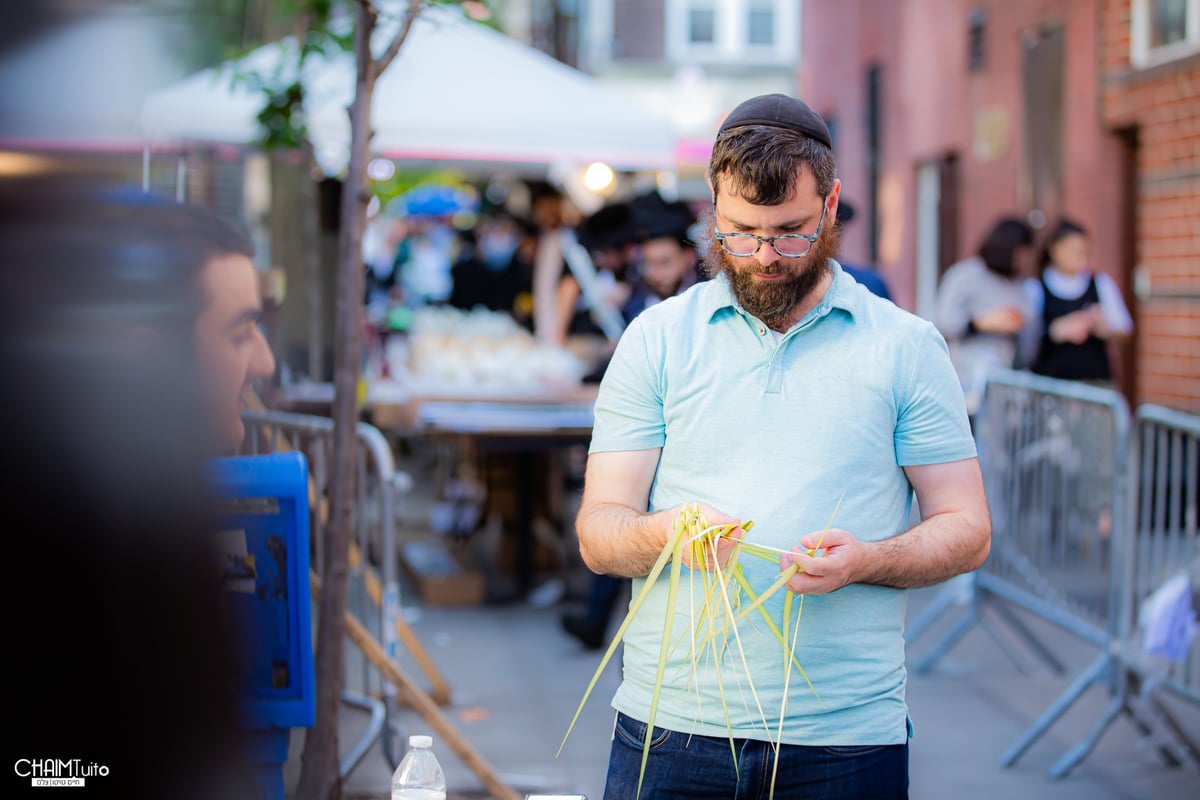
<point>230,280</point>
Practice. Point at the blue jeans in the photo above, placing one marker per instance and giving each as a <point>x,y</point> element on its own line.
<point>683,766</point>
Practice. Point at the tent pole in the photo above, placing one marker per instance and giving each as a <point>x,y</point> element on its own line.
<point>181,178</point>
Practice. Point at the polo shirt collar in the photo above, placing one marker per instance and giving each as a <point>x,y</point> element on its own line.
<point>839,295</point>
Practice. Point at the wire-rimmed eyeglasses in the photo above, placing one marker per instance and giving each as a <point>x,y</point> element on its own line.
<point>787,245</point>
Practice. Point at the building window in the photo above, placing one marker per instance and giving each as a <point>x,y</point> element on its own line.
<point>1168,22</point>
<point>732,32</point>
<point>1164,30</point>
<point>976,40</point>
<point>702,25</point>
<point>760,25</point>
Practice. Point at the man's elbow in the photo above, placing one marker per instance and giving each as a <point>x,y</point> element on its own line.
<point>983,540</point>
<point>586,549</point>
<point>589,558</point>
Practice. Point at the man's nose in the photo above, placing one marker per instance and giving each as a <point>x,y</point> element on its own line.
<point>766,254</point>
<point>263,363</point>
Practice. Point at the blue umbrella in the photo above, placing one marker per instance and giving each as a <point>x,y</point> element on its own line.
<point>436,200</point>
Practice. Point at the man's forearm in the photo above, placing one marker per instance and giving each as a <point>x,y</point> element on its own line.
<point>938,549</point>
<point>617,540</point>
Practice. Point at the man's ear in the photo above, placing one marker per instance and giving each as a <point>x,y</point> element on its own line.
<point>834,193</point>
<point>711,191</point>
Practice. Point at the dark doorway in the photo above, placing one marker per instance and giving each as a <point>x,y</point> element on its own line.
<point>1124,358</point>
<point>947,212</point>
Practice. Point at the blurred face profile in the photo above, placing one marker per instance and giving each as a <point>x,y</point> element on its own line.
<point>665,262</point>
<point>1070,253</point>
<point>231,349</point>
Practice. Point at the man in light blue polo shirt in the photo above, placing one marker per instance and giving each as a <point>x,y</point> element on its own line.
<point>770,393</point>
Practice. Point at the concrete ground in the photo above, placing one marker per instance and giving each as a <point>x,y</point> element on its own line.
<point>517,678</point>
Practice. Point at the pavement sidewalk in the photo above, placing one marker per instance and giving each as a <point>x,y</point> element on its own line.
<point>517,678</point>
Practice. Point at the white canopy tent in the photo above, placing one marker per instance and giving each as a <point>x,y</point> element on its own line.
<point>458,92</point>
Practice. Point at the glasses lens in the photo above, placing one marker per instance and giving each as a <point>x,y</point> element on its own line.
<point>737,244</point>
<point>792,248</point>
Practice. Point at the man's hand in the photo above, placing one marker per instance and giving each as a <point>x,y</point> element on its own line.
<point>725,544</point>
<point>838,562</point>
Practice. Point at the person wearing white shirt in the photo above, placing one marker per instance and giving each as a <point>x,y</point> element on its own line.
<point>1075,312</point>
<point>982,307</point>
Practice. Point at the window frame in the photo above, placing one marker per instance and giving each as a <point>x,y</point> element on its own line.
<point>761,5</point>
<point>732,24</point>
<point>1142,55</point>
<point>691,8</point>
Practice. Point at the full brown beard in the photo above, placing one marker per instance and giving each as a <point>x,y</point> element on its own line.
<point>773,301</point>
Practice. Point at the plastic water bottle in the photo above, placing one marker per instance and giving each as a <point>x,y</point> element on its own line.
<point>419,776</point>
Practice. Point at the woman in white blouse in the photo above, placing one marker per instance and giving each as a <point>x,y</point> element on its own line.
<point>1075,312</point>
<point>982,308</point>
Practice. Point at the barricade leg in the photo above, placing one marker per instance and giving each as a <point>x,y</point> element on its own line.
<point>952,594</point>
<point>949,640</point>
<point>1070,759</point>
<point>1152,718</point>
<point>1035,644</point>
<point>990,628</point>
<point>374,729</point>
<point>1096,671</point>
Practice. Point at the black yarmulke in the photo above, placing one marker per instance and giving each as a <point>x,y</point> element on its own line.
<point>779,111</point>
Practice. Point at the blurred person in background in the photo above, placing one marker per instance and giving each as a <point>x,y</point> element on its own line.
<point>548,214</point>
<point>423,260</point>
<point>665,265</point>
<point>468,276</point>
<point>128,332</point>
<point>666,262</point>
<point>868,276</point>
<point>515,292</point>
<point>609,237</point>
<point>982,307</point>
<point>487,272</point>
<point>1075,312</point>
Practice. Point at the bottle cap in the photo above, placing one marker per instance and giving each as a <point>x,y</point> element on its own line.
<point>420,741</point>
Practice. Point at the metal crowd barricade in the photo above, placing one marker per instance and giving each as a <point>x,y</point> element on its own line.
<point>1053,457</point>
<point>374,594</point>
<point>1164,542</point>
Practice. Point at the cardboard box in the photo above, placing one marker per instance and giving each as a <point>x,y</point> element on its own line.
<point>439,577</point>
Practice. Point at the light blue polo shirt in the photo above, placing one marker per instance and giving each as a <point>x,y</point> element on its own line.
<point>775,432</point>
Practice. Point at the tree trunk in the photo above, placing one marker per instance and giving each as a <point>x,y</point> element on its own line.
<point>319,773</point>
<point>314,336</point>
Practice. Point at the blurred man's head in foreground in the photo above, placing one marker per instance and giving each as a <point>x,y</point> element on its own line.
<point>102,296</point>
<point>231,349</point>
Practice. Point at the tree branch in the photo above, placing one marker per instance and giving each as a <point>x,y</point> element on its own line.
<point>384,61</point>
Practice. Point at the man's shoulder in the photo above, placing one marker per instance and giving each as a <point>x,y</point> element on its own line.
<point>885,319</point>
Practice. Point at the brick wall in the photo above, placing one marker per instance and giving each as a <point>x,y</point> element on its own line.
<point>1163,104</point>
<point>932,105</point>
